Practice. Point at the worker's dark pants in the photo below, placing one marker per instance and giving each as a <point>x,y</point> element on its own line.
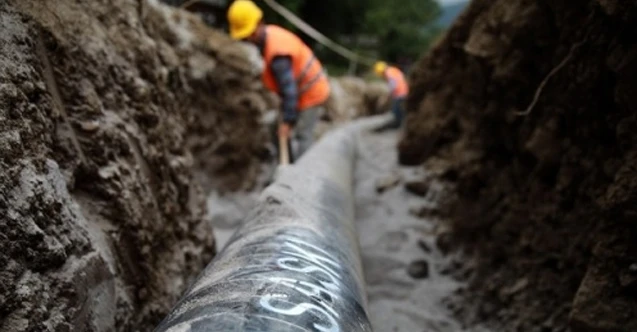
<point>303,132</point>
<point>398,110</point>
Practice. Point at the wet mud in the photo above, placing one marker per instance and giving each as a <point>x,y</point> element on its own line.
<point>410,277</point>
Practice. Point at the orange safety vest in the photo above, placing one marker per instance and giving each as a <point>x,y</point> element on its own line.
<point>311,81</point>
<point>401,89</point>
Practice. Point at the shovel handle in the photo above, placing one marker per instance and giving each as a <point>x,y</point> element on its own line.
<point>284,153</point>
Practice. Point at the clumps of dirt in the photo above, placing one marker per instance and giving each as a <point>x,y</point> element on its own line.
<point>107,110</point>
<point>532,106</point>
<point>353,97</point>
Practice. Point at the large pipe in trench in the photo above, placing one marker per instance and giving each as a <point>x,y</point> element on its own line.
<point>294,264</point>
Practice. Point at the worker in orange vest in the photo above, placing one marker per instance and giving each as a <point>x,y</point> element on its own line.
<point>291,70</point>
<point>398,87</point>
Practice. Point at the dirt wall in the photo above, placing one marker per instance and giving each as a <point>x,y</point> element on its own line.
<point>107,110</point>
<point>531,105</point>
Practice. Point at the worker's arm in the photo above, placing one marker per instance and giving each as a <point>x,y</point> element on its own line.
<point>281,67</point>
<point>392,85</point>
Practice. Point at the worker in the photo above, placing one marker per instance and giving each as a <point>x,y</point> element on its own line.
<point>398,89</point>
<point>291,70</point>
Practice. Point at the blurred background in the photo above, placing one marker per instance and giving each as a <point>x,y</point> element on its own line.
<point>360,25</point>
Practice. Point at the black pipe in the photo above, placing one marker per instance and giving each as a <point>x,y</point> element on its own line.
<point>294,265</point>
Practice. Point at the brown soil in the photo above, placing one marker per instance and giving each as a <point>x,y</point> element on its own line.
<point>354,97</point>
<point>545,199</point>
<point>107,110</point>
<point>351,98</point>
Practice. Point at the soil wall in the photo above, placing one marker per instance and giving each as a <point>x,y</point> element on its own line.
<point>107,110</point>
<point>531,105</point>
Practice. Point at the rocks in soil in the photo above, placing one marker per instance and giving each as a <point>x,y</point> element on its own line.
<point>424,211</point>
<point>418,269</point>
<point>513,289</point>
<point>418,188</point>
<point>457,269</point>
<point>90,126</point>
<point>445,242</point>
<point>387,182</point>
<point>353,97</point>
<point>424,246</point>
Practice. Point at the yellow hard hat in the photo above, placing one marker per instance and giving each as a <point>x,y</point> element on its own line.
<point>380,67</point>
<point>244,17</point>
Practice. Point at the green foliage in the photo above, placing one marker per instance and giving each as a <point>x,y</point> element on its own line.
<point>404,28</point>
<point>273,18</point>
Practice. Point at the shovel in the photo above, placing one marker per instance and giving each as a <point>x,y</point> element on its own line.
<point>284,152</point>
<point>284,159</point>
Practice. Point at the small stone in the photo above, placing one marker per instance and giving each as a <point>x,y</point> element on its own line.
<point>140,88</point>
<point>418,188</point>
<point>9,140</point>
<point>416,211</point>
<point>109,171</point>
<point>548,325</point>
<point>446,271</point>
<point>519,285</point>
<point>467,273</point>
<point>444,242</point>
<point>90,126</point>
<point>387,183</point>
<point>418,269</point>
<point>424,211</point>
<point>451,306</point>
<point>628,280</point>
<point>450,175</point>
<point>27,87</point>
<point>424,246</point>
<point>143,293</point>
<point>486,310</point>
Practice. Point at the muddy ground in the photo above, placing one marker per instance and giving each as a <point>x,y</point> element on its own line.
<point>411,278</point>
<point>528,108</point>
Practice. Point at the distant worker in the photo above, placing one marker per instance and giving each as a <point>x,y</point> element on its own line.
<point>399,90</point>
<point>291,70</point>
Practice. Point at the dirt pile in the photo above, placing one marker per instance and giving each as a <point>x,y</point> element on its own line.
<point>107,108</point>
<point>353,97</point>
<point>531,106</point>
<point>350,98</point>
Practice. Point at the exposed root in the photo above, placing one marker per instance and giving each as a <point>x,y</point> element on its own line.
<point>554,71</point>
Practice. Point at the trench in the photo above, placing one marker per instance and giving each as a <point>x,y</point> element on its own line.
<point>548,196</point>
<point>392,241</point>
